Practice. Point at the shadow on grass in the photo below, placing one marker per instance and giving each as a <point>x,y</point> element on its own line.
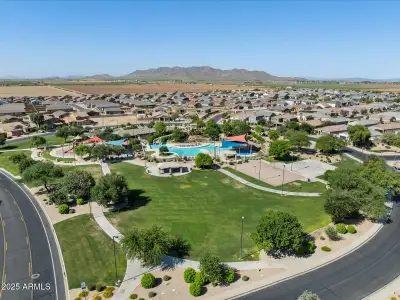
<point>8,147</point>
<point>136,199</point>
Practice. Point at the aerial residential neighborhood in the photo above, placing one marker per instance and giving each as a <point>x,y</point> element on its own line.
<point>180,150</point>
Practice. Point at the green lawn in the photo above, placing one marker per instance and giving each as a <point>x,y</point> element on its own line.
<point>88,252</point>
<point>46,155</point>
<point>296,186</point>
<point>5,162</point>
<point>25,144</point>
<point>347,162</point>
<point>205,207</point>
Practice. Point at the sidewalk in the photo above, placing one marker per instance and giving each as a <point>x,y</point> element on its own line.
<point>391,289</point>
<point>265,189</point>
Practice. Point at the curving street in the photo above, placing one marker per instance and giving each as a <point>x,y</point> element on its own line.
<point>354,277</point>
<point>27,247</point>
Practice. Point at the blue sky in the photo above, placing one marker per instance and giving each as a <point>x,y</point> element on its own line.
<point>328,39</point>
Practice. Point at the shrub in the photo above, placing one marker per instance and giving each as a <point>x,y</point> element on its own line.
<point>110,288</point>
<point>78,298</point>
<point>91,287</point>
<point>195,289</point>
<point>97,297</point>
<point>108,293</point>
<point>133,296</point>
<point>341,228</point>
<point>326,249</point>
<point>310,246</point>
<point>307,295</point>
<point>322,238</point>
<point>80,201</point>
<point>148,281</point>
<point>189,275</point>
<point>141,298</point>
<point>245,278</point>
<point>393,298</point>
<point>83,294</point>
<point>100,286</point>
<point>199,279</point>
<point>351,229</point>
<point>230,275</point>
<point>166,277</point>
<point>63,209</point>
<point>332,233</point>
<point>152,294</point>
<point>214,284</point>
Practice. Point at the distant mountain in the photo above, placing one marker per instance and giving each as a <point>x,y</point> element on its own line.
<point>100,77</point>
<point>204,73</point>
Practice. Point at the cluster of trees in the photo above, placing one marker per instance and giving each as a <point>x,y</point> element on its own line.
<point>67,131</point>
<point>360,190</point>
<point>391,139</point>
<point>111,188</point>
<point>150,245</point>
<point>229,128</point>
<point>329,144</point>
<point>359,135</point>
<point>203,161</point>
<point>100,151</point>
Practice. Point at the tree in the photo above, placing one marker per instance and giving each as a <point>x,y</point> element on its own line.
<point>212,268</point>
<point>212,130</point>
<point>79,183</point>
<point>22,160</point>
<point>44,171</point>
<point>100,151</point>
<point>3,139</point>
<point>329,144</point>
<point>306,127</point>
<point>297,139</point>
<point>259,129</point>
<point>36,118</point>
<point>307,295</point>
<point>291,126</point>
<point>278,232</point>
<point>376,172</point>
<point>134,144</point>
<point>240,127</point>
<point>341,204</point>
<point>178,135</point>
<point>203,160</point>
<point>58,195</point>
<point>111,188</point>
<point>163,150</point>
<point>81,150</point>
<point>273,135</point>
<point>279,149</point>
<point>160,128</point>
<point>63,132</point>
<point>146,245</point>
<point>227,128</point>
<point>359,134</point>
<point>36,141</point>
<point>117,150</point>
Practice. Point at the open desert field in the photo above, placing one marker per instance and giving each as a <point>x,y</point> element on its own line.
<point>380,87</point>
<point>117,120</point>
<point>152,88</point>
<point>31,91</point>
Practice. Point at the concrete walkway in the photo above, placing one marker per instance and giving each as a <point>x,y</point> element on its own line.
<point>391,289</point>
<point>265,189</point>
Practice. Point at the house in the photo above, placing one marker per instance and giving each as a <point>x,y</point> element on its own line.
<point>52,122</point>
<point>59,106</point>
<point>77,118</point>
<point>13,109</point>
<point>332,130</point>
<point>13,129</point>
<point>59,114</point>
<point>101,104</point>
<point>387,128</point>
<point>112,111</point>
<point>261,115</point>
<point>141,132</point>
<point>280,119</point>
<point>8,119</point>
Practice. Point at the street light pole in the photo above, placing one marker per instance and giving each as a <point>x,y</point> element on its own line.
<point>115,259</point>
<point>283,176</point>
<point>241,239</point>
<point>259,171</point>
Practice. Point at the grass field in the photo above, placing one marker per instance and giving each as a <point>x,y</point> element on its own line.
<point>88,252</point>
<point>7,91</point>
<point>296,186</point>
<point>26,144</point>
<point>5,162</point>
<point>347,162</point>
<point>205,207</point>
<point>46,155</point>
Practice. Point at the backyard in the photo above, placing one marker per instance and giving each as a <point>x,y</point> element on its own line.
<point>205,207</point>
<point>88,252</point>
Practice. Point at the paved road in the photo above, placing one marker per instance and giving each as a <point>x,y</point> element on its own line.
<point>27,247</point>
<point>26,137</point>
<point>353,277</point>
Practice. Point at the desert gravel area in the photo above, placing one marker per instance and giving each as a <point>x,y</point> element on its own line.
<point>31,91</point>
<point>153,88</point>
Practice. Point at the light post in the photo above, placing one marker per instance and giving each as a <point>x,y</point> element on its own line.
<point>115,259</point>
<point>241,239</point>
<point>283,176</point>
<point>259,171</point>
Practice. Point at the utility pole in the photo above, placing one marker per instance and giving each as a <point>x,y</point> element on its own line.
<point>283,176</point>
<point>115,260</point>
<point>259,171</point>
<point>241,239</point>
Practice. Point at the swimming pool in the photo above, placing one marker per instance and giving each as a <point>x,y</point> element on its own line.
<point>193,151</point>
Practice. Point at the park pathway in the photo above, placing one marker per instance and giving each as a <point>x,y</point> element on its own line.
<point>265,189</point>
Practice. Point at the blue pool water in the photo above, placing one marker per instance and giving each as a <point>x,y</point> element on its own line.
<point>193,151</point>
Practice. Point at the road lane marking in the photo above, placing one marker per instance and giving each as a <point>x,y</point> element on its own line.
<point>47,237</point>
<point>4,258</point>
